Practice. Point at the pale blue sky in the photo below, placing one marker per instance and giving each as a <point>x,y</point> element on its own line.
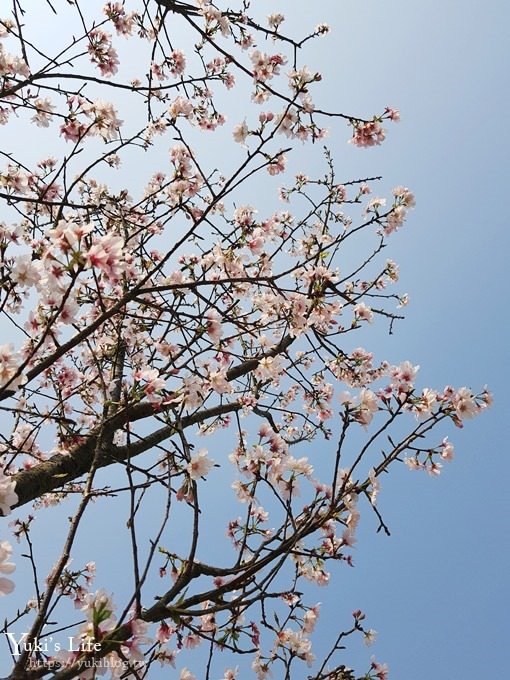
<point>437,590</point>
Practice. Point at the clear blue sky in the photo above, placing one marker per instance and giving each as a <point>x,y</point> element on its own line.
<point>438,590</point>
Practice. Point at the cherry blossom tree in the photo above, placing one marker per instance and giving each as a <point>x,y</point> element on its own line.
<point>190,341</point>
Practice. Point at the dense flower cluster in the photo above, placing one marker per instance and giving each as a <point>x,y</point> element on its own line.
<point>140,320</point>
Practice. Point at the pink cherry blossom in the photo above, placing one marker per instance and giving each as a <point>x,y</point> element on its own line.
<point>9,363</point>
<point>447,449</point>
<point>380,670</point>
<point>214,329</point>
<point>363,312</point>
<point>102,53</point>
<point>277,165</point>
<point>123,21</point>
<point>44,109</point>
<point>8,496</point>
<point>240,132</point>
<point>6,567</point>
<point>105,121</point>
<point>107,254</point>
<point>367,134</point>
<point>369,637</point>
<point>403,376</point>
<point>464,403</point>
<point>181,107</point>
<point>199,465</point>
<point>266,66</point>
<point>25,272</point>
<point>310,619</point>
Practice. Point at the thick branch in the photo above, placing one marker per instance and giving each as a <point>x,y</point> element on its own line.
<point>62,469</point>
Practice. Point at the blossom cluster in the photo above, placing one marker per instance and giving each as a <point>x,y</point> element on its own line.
<point>147,317</point>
